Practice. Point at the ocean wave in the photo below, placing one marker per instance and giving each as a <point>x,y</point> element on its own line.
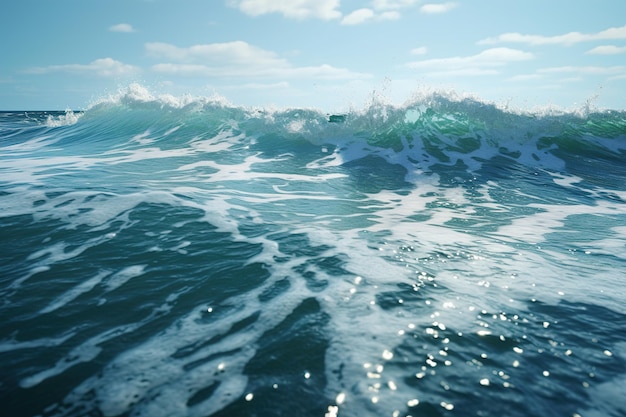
<point>184,256</point>
<point>437,128</point>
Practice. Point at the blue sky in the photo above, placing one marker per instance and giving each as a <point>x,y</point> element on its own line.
<point>330,54</point>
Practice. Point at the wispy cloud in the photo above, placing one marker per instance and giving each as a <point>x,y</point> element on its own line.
<point>585,70</point>
<point>393,4</point>
<point>435,8</point>
<point>379,10</point>
<point>607,50</point>
<point>364,15</point>
<point>565,39</point>
<point>227,53</point>
<point>122,27</point>
<point>486,62</point>
<point>296,9</point>
<point>104,67</point>
<point>325,9</point>
<point>525,77</point>
<point>237,59</point>
<point>422,50</point>
<point>358,16</point>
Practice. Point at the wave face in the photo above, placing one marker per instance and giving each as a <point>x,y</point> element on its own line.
<point>169,256</point>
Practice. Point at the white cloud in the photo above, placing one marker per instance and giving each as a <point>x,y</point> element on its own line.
<point>525,77</point>
<point>586,70</point>
<point>433,8</point>
<point>422,50</point>
<point>104,67</point>
<point>199,70</point>
<point>236,59</point>
<point>358,16</point>
<point>486,62</point>
<point>390,15</point>
<point>393,4</point>
<point>607,50</point>
<point>122,27</point>
<point>565,39</point>
<point>296,9</point>
<point>218,54</point>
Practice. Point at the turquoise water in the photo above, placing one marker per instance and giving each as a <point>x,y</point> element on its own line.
<point>187,257</point>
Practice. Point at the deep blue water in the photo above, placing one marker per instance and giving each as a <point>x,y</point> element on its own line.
<point>162,257</point>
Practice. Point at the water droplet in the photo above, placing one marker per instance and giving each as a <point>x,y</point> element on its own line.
<point>412,403</point>
<point>447,406</point>
<point>341,397</point>
<point>332,411</point>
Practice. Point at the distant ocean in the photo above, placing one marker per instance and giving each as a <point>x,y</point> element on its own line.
<point>172,256</point>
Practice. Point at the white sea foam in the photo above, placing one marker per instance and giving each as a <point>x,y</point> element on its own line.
<point>74,292</point>
<point>69,118</point>
<point>123,276</point>
<point>43,343</point>
<point>158,365</point>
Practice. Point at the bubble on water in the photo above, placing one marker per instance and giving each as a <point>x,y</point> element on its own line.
<point>412,403</point>
<point>332,411</point>
<point>447,406</point>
